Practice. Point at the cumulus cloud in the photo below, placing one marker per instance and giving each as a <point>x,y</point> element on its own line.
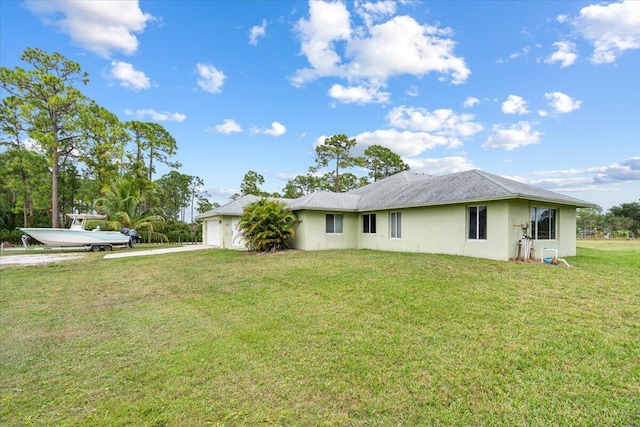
<point>328,24</point>
<point>514,105</point>
<point>372,12</point>
<point>143,114</point>
<point>404,143</point>
<point>358,94</point>
<point>102,27</point>
<point>228,126</point>
<point>443,122</point>
<point>128,76</point>
<point>562,103</point>
<point>512,137</point>
<point>277,129</point>
<point>256,32</point>
<point>612,28</point>
<point>470,102</point>
<point>565,54</point>
<point>440,166</point>
<point>368,56</point>
<point>210,78</point>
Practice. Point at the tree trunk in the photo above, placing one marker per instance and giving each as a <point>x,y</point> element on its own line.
<point>55,212</point>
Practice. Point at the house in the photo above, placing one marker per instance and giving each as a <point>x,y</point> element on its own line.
<point>472,213</point>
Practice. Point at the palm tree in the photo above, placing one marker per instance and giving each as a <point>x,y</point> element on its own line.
<point>121,205</point>
<point>267,225</point>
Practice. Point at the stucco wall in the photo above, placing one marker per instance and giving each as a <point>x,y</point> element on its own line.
<point>311,231</point>
<point>565,241</point>
<point>441,229</point>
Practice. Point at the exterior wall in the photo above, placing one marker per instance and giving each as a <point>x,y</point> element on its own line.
<point>436,229</point>
<point>565,241</point>
<point>311,231</point>
<point>440,229</point>
<point>229,236</point>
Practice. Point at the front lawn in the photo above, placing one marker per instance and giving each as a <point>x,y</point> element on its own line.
<point>321,338</point>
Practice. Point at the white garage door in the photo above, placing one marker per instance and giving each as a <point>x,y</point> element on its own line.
<point>213,232</point>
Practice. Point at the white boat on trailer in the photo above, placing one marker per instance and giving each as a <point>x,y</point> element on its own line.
<point>78,236</point>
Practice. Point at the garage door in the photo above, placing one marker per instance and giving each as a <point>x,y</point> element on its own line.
<point>213,232</point>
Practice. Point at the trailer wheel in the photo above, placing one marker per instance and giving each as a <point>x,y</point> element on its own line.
<point>108,248</point>
<point>94,248</point>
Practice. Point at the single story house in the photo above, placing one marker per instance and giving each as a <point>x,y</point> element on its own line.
<point>472,213</point>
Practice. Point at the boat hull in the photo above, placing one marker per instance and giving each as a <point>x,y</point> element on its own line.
<point>62,237</point>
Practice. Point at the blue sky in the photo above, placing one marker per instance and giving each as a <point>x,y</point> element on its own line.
<point>542,92</point>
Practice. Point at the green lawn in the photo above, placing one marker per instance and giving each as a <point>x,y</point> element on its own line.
<point>322,338</point>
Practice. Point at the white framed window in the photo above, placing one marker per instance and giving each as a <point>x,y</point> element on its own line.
<point>333,224</point>
<point>543,223</point>
<point>477,222</point>
<point>395,223</point>
<point>369,223</point>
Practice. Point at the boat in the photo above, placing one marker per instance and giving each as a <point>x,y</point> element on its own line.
<point>78,236</point>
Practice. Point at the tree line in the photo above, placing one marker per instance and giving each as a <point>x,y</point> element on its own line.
<point>62,152</point>
<point>620,221</point>
<point>334,153</point>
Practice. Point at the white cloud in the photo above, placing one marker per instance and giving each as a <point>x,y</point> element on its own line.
<point>129,77</point>
<point>277,129</point>
<point>514,105</point>
<point>404,143</point>
<point>103,27</point>
<point>565,54</point>
<point>371,12</point>
<point>628,170</point>
<point>211,79</point>
<point>403,46</point>
<point>413,91</point>
<point>443,122</point>
<point>514,136</point>
<point>328,23</point>
<point>368,56</point>
<point>440,166</point>
<point>612,28</point>
<point>358,94</point>
<point>470,102</point>
<point>588,179</point>
<point>562,18</point>
<point>141,114</point>
<point>525,51</point>
<point>228,126</point>
<point>257,31</point>
<point>562,103</point>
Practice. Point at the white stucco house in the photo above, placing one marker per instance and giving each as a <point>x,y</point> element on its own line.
<point>472,213</point>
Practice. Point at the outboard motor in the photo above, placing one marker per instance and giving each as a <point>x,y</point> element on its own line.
<point>133,235</point>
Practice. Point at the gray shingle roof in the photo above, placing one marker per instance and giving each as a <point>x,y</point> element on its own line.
<point>408,189</point>
<point>236,207</point>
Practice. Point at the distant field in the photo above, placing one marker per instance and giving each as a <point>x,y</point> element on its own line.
<point>358,338</point>
<point>610,245</point>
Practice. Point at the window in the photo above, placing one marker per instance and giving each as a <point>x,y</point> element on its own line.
<point>334,224</point>
<point>369,223</point>
<point>543,223</point>
<point>395,220</point>
<point>477,221</point>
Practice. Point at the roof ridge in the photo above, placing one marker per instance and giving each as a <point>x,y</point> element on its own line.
<point>490,177</point>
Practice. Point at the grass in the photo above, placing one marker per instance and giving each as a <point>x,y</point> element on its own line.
<point>322,338</point>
